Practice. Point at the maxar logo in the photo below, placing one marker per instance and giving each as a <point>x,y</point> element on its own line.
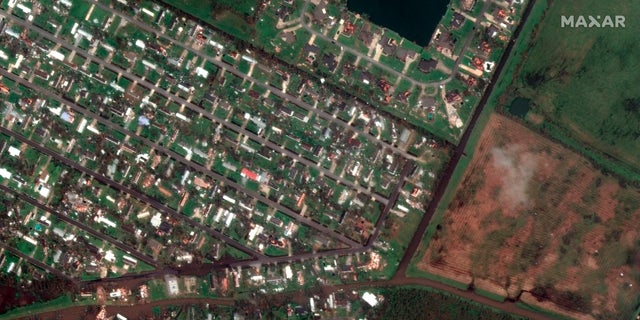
<point>592,21</point>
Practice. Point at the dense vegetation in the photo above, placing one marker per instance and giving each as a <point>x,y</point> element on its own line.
<point>14,293</point>
<point>420,304</point>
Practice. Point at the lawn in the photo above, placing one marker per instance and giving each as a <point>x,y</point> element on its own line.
<point>231,16</point>
<point>581,84</point>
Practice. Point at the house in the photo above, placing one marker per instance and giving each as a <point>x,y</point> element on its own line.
<point>457,21</point>
<point>265,152</point>
<point>250,174</point>
<point>366,36</point>
<point>443,42</point>
<point>91,268</point>
<point>403,54</point>
<point>41,74</point>
<point>427,65</point>
<point>165,227</point>
<point>329,61</point>
<point>370,299</point>
<point>500,14</point>
<point>349,29</point>
<point>283,12</point>
<point>427,102</point>
<point>453,97</point>
<point>154,246</point>
<point>492,31</point>
<point>311,49</point>
<point>14,152</point>
<point>467,5</point>
<point>366,77</point>
<point>288,36</point>
<point>320,12</point>
<point>388,45</point>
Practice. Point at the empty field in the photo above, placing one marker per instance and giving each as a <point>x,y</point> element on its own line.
<point>534,221</point>
<point>581,83</point>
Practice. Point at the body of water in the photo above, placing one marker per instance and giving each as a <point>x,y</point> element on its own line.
<point>415,20</point>
<point>520,107</point>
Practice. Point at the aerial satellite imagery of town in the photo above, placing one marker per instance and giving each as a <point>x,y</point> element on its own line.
<point>319,159</point>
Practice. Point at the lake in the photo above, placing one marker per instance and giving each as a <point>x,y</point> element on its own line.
<point>415,20</point>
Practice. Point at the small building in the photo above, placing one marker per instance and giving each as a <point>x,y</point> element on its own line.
<point>367,77</point>
<point>288,37</point>
<point>129,260</point>
<point>14,152</point>
<point>427,65</point>
<point>311,51</point>
<point>5,174</point>
<point>366,36</point>
<point>492,31</point>
<point>370,298</point>
<point>320,12</point>
<point>329,61</point>
<point>457,21</point>
<point>453,97</point>
<point>389,45</point>
<point>467,5</point>
<point>427,102</point>
<point>250,174</point>
<point>403,54</point>
<point>443,42</point>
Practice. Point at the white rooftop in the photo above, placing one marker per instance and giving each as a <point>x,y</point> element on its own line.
<point>14,152</point>
<point>370,298</point>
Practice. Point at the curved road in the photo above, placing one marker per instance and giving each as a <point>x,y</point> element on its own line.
<point>389,69</point>
<point>400,278</point>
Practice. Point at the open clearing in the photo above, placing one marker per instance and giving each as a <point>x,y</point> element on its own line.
<point>583,81</point>
<point>534,221</point>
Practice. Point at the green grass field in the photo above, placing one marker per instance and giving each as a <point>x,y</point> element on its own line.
<point>228,15</point>
<point>581,84</point>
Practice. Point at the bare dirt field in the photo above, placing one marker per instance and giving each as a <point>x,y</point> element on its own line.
<point>534,220</point>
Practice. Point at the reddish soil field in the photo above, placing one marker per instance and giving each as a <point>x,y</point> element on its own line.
<point>533,219</point>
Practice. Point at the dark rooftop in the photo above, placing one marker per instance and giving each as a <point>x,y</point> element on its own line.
<point>366,35</point>
<point>428,102</point>
<point>457,20</point>
<point>309,48</point>
<point>403,54</point>
<point>492,31</point>
<point>288,37</point>
<point>427,65</point>
<point>388,45</point>
<point>330,61</point>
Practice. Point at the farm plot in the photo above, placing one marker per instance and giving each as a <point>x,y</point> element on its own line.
<point>534,221</point>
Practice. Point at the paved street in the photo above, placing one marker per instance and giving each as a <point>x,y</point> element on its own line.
<point>295,100</point>
<point>61,216</point>
<point>139,195</point>
<point>257,258</point>
<point>193,165</point>
<point>151,86</point>
<point>388,69</point>
<point>37,263</point>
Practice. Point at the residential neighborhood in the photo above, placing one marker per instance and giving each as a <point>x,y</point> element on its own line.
<point>138,141</point>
